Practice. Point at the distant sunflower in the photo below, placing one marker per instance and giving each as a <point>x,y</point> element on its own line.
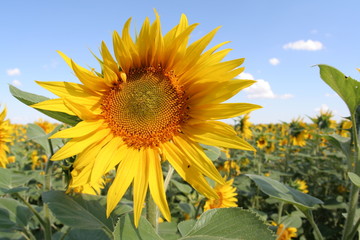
<point>285,233</point>
<point>4,138</point>
<point>298,132</point>
<point>155,103</point>
<point>226,196</point>
<point>300,185</point>
<point>243,127</point>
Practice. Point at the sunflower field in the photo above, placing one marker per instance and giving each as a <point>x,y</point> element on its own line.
<point>138,152</point>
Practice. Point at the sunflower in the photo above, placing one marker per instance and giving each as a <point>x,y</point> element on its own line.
<point>45,125</point>
<point>226,196</point>
<point>156,102</point>
<point>4,138</point>
<point>300,185</point>
<point>243,127</point>
<point>298,132</point>
<point>285,233</point>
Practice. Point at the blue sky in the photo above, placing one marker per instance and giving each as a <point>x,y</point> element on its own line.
<point>280,40</point>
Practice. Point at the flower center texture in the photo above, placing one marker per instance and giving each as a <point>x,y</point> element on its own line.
<point>146,110</point>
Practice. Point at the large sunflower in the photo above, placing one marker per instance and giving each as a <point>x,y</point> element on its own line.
<point>4,138</point>
<point>155,103</point>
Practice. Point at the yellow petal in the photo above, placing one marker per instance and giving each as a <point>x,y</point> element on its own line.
<point>221,111</point>
<point>216,134</point>
<point>124,176</point>
<point>156,183</point>
<point>189,174</point>
<point>108,59</point>
<point>63,89</point>
<point>141,183</point>
<point>105,156</point>
<point>80,110</point>
<point>197,158</point>
<point>56,105</point>
<point>77,145</point>
<point>81,129</point>
<point>216,92</point>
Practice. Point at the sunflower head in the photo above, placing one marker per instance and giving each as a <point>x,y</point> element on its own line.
<point>226,196</point>
<point>155,101</point>
<point>5,138</point>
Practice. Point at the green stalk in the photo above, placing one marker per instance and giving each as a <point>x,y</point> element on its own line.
<point>281,206</point>
<point>354,190</point>
<point>152,211</point>
<point>47,187</point>
<point>310,218</point>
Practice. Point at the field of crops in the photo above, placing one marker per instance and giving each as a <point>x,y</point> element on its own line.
<point>305,157</point>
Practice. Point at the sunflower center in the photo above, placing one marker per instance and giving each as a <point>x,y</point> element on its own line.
<point>146,110</point>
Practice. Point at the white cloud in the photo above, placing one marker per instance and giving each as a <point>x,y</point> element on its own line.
<point>308,45</point>
<point>16,83</point>
<point>274,61</point>
<point>261,89</point>
<point>322,108</point>
<point>331,95</point>
<point>13,72</point>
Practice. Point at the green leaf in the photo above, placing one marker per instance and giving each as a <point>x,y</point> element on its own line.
<point>229,223</point>
<point>211,152</point>
<point>93,234</point>
<point>79,211</point>
<point>284,193</point>
<point>183,187</point>
<point>355,179</point>
<point>339,142</point>
<point>346,87</point>
<point>13,215</point>
<point>12,182</point>
<point>38,135</point>
<point>168,231</point>
<point>126,230</point>
<point>185,226</point>
<point>30,99</point>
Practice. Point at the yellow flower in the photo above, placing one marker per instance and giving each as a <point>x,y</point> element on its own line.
<point>300,185</point>
<point>243,127</point>
<point>285,234</point>
<point>47,126</point>
<point>231,167</point>
<point>226,196</point>
<point>344,128</point>
<point>155,103</point>
<point>4,138</point>
<point>298,132</point>
<point>261,142</point>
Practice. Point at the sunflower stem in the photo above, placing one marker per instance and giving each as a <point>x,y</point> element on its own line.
<point>310,218</point>
<point>47,187</point>
<point>152,212</point>
<point>354,190</point>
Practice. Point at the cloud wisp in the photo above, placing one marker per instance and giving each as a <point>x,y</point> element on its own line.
<point>13,72</point>
<point>261,89</point>
<point>308,45</point>
<point>274,61</point>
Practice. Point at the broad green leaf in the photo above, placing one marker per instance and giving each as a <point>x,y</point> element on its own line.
<point>168,230</point>
<point>38,135</point>
<point>284,193</point>
<point>346,87</point>
<point>13,215</point>
<point>12,182</point>
<point>126,230</point>
<point>185,226</point>
<point>339,142</point>
<point>79,211</point>
<point>93,234</point>
<point>184,188</point>
<point>229,224</point>
<point>211,152</point>
<point>355,179</point>
<point>30,99</point>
